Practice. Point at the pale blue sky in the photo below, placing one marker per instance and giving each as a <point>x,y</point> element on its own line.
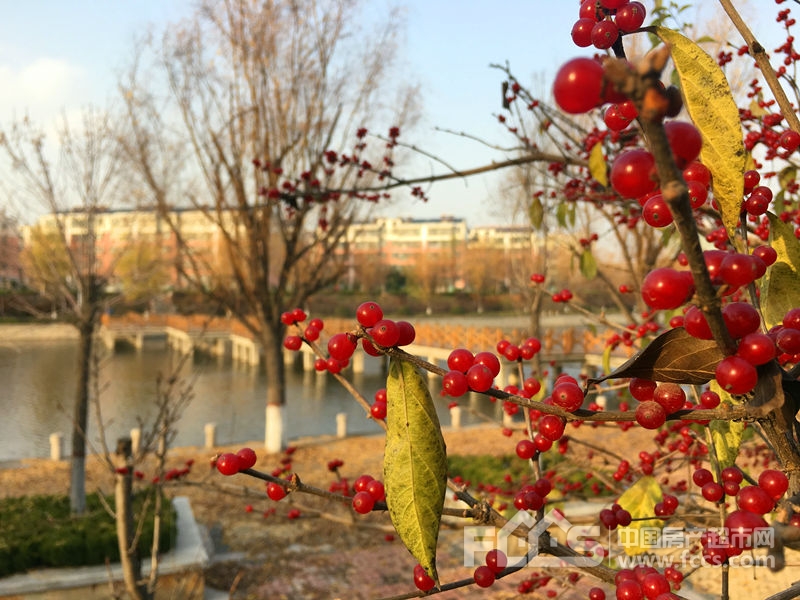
<point>60,55</point>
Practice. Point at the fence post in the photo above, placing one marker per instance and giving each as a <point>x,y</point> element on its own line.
<point>455,417</point>
<point>136,440</point>
<point>56,446</point>
<point>341,425</point>
<point>210,431</point>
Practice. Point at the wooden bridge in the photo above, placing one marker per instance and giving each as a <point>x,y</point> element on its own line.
<point>225,337</point>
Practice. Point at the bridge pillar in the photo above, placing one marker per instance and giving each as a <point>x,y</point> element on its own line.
<point>138,343</point>
<point>341,425</point>
<point>308,359</point>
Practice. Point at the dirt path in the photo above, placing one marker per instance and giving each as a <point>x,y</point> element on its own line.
<point>328,552</point>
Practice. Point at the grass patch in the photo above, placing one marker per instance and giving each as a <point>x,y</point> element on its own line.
<point>39,532</point>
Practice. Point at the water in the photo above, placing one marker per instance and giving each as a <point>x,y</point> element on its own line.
<point>38,383</point>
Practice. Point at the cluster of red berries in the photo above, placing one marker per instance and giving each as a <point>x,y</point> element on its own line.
<point>601,23</point>
<point>525,351</point>
<point>311,332</point>
<point>533,496</point>
<point>615,516</point>
<point>486,574</point>
<point>229,463</point>
<point>383,332</point>
<point>563,296</point>
<point>646,582</point>
<point>378,407</point>
<point>469,371</point>
<point>367,491</point>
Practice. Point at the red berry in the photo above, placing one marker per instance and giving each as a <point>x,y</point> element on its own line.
<point>275,491</point>
<point>754,499</point>
<point>656,213</point>
<point>376,490</point>
<point>228,463</point>
<point>696,325</point>
<point>551,427</point>
<point>774,483</point>
<point>735,375</point>
<point>369,313</point>
<point>496,560</point>
<point>525,449</point>
<point>460,359</point>
<point>665,288</point>
<point>756,348</point>
<point>479,378</point>
<point>363,502</point>
<point>712,491</point>
<point>630,16</point>
<point>670,395</point>
<point>422,580</point>
<point>407,333</point>
<point>642,389</point>
<point>633,173</point>
<point>568,396</point>
<point>604,34</point>
<point>378,410</point>
<point>385,333</point>
<point>292,342</point>
<point>740,319</point>
<point>490,360</point>
<point>709,400</point>
<point>455,384</point>
<point>650,415</point>
<point>684,140</point>
<point>788,340</point>
<point>578,85</point>
<point>731,474</point>
<point>582,32</point>
<point>247,458</point>
<point>484,576</point>
<point>740,525</point>
<point>341,346</point>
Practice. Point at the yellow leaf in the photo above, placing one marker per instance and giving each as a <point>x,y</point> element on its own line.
<point>727,435</point>
<point>640,500</point>
<point>780,287</point>
<point>597,165</point>
<point>415,463</point>
<point>710,104</point>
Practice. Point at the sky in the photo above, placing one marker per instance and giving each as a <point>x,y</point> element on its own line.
<point>58,56</point>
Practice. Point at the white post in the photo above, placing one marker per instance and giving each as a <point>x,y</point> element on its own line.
<point>274,430</point>
<point>455,417</point>
<point>210,431</point>
<point>508,420</point>
<point>55,445</point>
<point>136,440</point>
<point>601,401</point>
<point>341,425</point>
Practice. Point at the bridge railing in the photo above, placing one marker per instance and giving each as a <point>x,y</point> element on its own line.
<point>564,341</point>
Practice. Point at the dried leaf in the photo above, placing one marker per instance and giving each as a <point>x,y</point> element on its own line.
<point>597,165</point>
<point>674,356</point>
<point>709,102</point>
<point>780,287</point>
<point>640,500</point>
<point>415,463</point>
<point>536,213</point>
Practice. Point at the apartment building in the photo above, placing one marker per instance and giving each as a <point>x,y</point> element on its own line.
<point>439,250</point>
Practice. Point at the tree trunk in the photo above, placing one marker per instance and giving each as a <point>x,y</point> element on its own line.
<point>274,435</point>
<point>77,488</point>
<point>123,505</point>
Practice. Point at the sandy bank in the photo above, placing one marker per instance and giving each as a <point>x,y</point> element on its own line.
<point>37,332</point>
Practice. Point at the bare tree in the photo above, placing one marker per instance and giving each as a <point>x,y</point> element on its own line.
<point>270,97</point>
<point>80,184</point>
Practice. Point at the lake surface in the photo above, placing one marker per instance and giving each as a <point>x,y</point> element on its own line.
<point>37,383</point>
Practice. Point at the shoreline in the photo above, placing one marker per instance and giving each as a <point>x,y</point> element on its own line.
<point>36,332</point>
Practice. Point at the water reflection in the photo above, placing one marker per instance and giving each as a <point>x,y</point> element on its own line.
<point>38,382</point>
